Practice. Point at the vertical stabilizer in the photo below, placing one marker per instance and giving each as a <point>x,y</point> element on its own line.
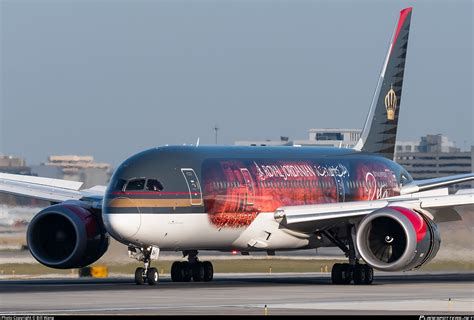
<point>380,129</point>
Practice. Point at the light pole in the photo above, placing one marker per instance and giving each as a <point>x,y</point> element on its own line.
<point>216,128</point>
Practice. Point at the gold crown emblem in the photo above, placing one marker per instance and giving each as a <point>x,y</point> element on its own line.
<point>391,103</point>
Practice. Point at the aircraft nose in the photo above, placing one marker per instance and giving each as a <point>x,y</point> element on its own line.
<point>121,217</point>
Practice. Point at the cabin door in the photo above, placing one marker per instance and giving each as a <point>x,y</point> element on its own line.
<point>194,186</point>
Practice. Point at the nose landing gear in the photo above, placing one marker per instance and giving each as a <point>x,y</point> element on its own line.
<point>192,269</point>
<point>147,274</point>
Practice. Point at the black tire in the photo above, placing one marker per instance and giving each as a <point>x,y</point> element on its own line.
<point>359,274</point>
<point>347,271</point>
<point>336,273</point>
<point>139,280</point>
<point>197,271</point>
<point>152,276</point>
<point>369,274</point>
<point>176,272</point>
<point>208,271</point>
<point>186,272</point>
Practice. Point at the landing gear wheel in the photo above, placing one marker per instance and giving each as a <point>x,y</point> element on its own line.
<point>139,279</point>
<point>347,273</point>
<point>359,274</point>
<point>369,274</point>
<point>152,276</point>
<point>341,273</point>
<point>336,274</point>
<point>185,272</point>
<point>363,274</point>
<point>197,271</point>
<point>208,271</point>
<point>176,272</point>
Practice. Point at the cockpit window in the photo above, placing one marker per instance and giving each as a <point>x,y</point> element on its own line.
<point>153,185</point>
<point>135,185</point>
<point>119,184</point>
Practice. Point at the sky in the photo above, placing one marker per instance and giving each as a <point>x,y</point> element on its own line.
<point>111,78</point>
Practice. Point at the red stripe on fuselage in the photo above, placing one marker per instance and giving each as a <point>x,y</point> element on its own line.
<point>152,193</point>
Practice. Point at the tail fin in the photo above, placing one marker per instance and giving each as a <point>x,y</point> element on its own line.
<point>380,129</point>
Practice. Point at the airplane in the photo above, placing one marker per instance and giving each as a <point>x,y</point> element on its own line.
<point>249,199</point>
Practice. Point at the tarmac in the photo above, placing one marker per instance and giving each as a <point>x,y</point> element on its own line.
<point>249,294</point>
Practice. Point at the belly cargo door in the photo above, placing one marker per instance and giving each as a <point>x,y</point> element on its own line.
<point>194,186</point>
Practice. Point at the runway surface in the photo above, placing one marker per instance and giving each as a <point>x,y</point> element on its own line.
<point>409,293</point>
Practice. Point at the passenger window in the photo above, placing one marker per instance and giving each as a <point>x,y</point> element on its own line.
<point>135,185</point>
<point>153,185</point>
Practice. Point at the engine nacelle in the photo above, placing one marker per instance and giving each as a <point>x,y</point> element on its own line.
<point>66,236</point>
<point>397,239</point>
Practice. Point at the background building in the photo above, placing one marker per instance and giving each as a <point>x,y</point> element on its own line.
<point>14,165</point>
<point>407,146</point>
<point>75,168</point>
<point>435,156</point>
<point>343,138</point>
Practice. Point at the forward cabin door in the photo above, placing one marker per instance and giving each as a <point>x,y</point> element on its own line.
<point>195,193</point>
<point>341,192</point>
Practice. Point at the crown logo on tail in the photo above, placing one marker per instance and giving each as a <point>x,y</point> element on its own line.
<point>391,103</point>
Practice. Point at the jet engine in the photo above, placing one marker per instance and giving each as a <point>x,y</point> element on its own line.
<point>397,239</point>
<point>67,235</point>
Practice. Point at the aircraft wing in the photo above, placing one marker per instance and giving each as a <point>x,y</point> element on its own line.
<point>429,184</point>
<point>439,203</point>
<point>53,190</point>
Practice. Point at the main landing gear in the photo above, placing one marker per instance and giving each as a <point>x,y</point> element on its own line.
<point>345,273</point>
<point>147,274</point>
<point>184,271</point>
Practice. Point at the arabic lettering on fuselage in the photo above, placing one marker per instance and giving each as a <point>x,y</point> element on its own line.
<point>286,171</point>
<point>331,171</point>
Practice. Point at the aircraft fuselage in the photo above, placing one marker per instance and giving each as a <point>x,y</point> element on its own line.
<point>189,197</point>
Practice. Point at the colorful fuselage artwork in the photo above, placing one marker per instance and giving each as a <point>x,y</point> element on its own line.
<point>236,191</point>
